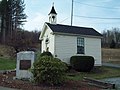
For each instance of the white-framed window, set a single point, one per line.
(80, 45)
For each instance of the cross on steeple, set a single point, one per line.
(53, 4)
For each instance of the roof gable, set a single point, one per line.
(45, 27)
(73, 30)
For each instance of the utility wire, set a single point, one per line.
(64, 20)
(100, 22)
(96, 5)
(110, 18)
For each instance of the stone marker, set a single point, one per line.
(25, 61)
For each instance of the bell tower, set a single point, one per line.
(53, 16)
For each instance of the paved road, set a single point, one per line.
(5, 88)
(111, 65)
(115, 81)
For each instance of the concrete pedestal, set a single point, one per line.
(25, 61)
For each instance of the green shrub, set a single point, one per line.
(47, 53)
(49, 70)
(82, 63)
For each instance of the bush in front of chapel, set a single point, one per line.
(49, 70)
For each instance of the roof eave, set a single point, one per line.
(70, 34)
(43, 31)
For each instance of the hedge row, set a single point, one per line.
(82, 63)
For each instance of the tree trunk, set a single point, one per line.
(3, 31)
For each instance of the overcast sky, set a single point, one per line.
(98, 14)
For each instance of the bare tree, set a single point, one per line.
(111, 37)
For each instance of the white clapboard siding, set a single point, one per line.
(93, 48)
(65, 47)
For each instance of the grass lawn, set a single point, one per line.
(111, 55)
(7, 64)
(97, 73)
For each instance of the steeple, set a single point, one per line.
(53, 16)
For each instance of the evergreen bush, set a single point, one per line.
(47, 53)
(49, 70)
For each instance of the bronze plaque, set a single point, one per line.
(25, 64)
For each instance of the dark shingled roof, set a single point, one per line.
(52, 11)
(73, 29)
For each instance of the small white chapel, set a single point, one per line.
(64, 41)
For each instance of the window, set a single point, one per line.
(80, 45)
(47, 40)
